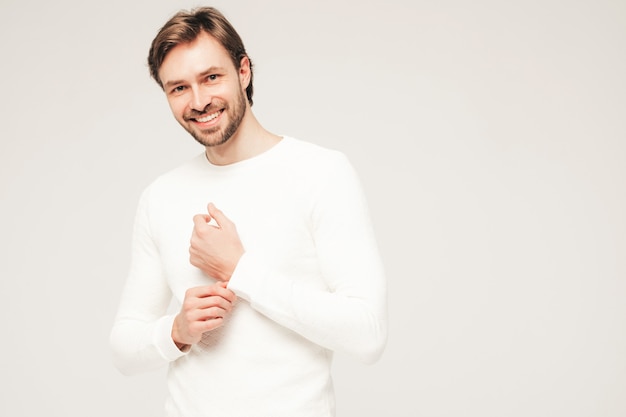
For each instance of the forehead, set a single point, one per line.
(187, 60)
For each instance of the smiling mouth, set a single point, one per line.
(208, 117)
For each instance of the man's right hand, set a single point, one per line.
(204, 309)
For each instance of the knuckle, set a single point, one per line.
(196, 328)
(188, 319)
(200, 232)
(214, 323)
(189, 295)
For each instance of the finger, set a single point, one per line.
(218, 215)
(229, 294)
(213, 313)
(201, 326)
(195, 292)
(200, 309)
(214, 290)
(212, 324)
(215, 301)
(220, 290)
(199, 316)
(200, 220)
(205, 291)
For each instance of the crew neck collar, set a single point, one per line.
(260, 158)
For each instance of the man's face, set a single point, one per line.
(204, 89)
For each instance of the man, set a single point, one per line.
(245, 302)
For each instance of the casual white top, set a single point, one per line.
(310, 282)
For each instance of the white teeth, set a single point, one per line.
(208, 118)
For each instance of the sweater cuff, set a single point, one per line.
(249, 277)
(163, 339)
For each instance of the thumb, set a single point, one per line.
(219, 217)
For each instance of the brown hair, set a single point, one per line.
(185, 26)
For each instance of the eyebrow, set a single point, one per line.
(204, 73)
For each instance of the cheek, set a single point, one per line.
(177, 106)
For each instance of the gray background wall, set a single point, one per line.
(490, 138)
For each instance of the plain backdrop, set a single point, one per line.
(490, 137)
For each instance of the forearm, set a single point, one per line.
(350, 319)
(140, 346)
(140, 339)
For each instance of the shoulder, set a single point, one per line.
(308, 155)
(166, 184)
(314, 170)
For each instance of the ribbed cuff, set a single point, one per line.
(163, 339)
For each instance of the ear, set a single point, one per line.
(244, 72)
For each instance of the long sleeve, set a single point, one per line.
(141, 336)
(349, 314)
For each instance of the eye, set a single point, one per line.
(178, 89)
(212, 77)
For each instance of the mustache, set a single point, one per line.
(210, 108)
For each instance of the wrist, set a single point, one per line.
(182, 346)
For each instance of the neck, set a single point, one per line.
(250, 140)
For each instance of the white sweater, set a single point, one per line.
(310, 282)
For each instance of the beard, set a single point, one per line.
(216, 136)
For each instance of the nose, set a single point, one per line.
(200, 99)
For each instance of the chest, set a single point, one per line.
(272, 221)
